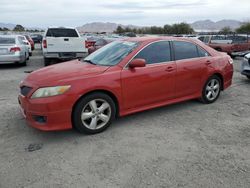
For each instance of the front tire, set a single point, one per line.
(94, 113)
(211, 90)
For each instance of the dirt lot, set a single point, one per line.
(183, 145)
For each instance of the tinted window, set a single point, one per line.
(61, 32)
(202, 52)
(156, 53)
(4, 40)
(185, 50)
(202, 38)
(206, 39)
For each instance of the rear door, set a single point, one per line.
(64, 40)
(153, 83)
(192, 67)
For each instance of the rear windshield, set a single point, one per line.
(61, 32)
(4, 40)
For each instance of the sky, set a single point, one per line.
(44, 13)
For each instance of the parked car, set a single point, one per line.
(245, 66)
(62, 43)
(121, 78)
(13, 50)
(98, 44)
(37, 38)
(26, 42)
(228, 44)
(30, 41)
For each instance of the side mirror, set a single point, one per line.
(137, 63)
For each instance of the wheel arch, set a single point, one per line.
(221, 78)
(109, 93)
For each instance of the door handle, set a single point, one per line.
(208, 62)
(169, 69)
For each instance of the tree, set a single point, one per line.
(181, 28)
(119, 30)
(226, 30)
(167, 29)
(19, 28)
(244, 28)
(5, 29)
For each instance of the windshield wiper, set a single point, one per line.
(89, 61)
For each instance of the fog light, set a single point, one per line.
(40, 119)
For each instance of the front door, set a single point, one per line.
(153, 83)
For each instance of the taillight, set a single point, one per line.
(15, 49)
(230, 60)
(44, 44)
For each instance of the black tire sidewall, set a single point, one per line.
(76, 116)
(204, 97)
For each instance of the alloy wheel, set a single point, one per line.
(96, 114)
(212, 89)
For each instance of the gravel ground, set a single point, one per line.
(183, 145)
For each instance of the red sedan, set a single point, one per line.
(30, 41)
(121, 78)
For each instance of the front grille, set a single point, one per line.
(25, 90)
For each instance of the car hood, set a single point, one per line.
(64, 72)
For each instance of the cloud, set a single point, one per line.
(152, 6)
(43, 13)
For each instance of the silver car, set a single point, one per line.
(245, 66)
(13, 49)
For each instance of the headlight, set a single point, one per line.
(50, 91)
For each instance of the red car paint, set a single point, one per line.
(31, 42)
(135, 90)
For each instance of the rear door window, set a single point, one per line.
(202, 52)
(185, 50)
(61, 32)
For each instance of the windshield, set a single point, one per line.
(112, 53)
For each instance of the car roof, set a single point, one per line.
(152, 39)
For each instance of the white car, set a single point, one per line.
(62, 43)
(27, 43)
(245, 66)
(13, 49)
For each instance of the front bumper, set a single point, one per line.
(56, 113)
(245, 67)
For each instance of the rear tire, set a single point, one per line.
(46, 61)
(93, 113)
(211, 90)
(24, 63)
(30, 53)
(248, 77)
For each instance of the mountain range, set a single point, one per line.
(201, 25)
(208, 25)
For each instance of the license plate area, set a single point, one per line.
(3, 50)
(67, 54)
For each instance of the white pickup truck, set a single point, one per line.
(62, 43)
